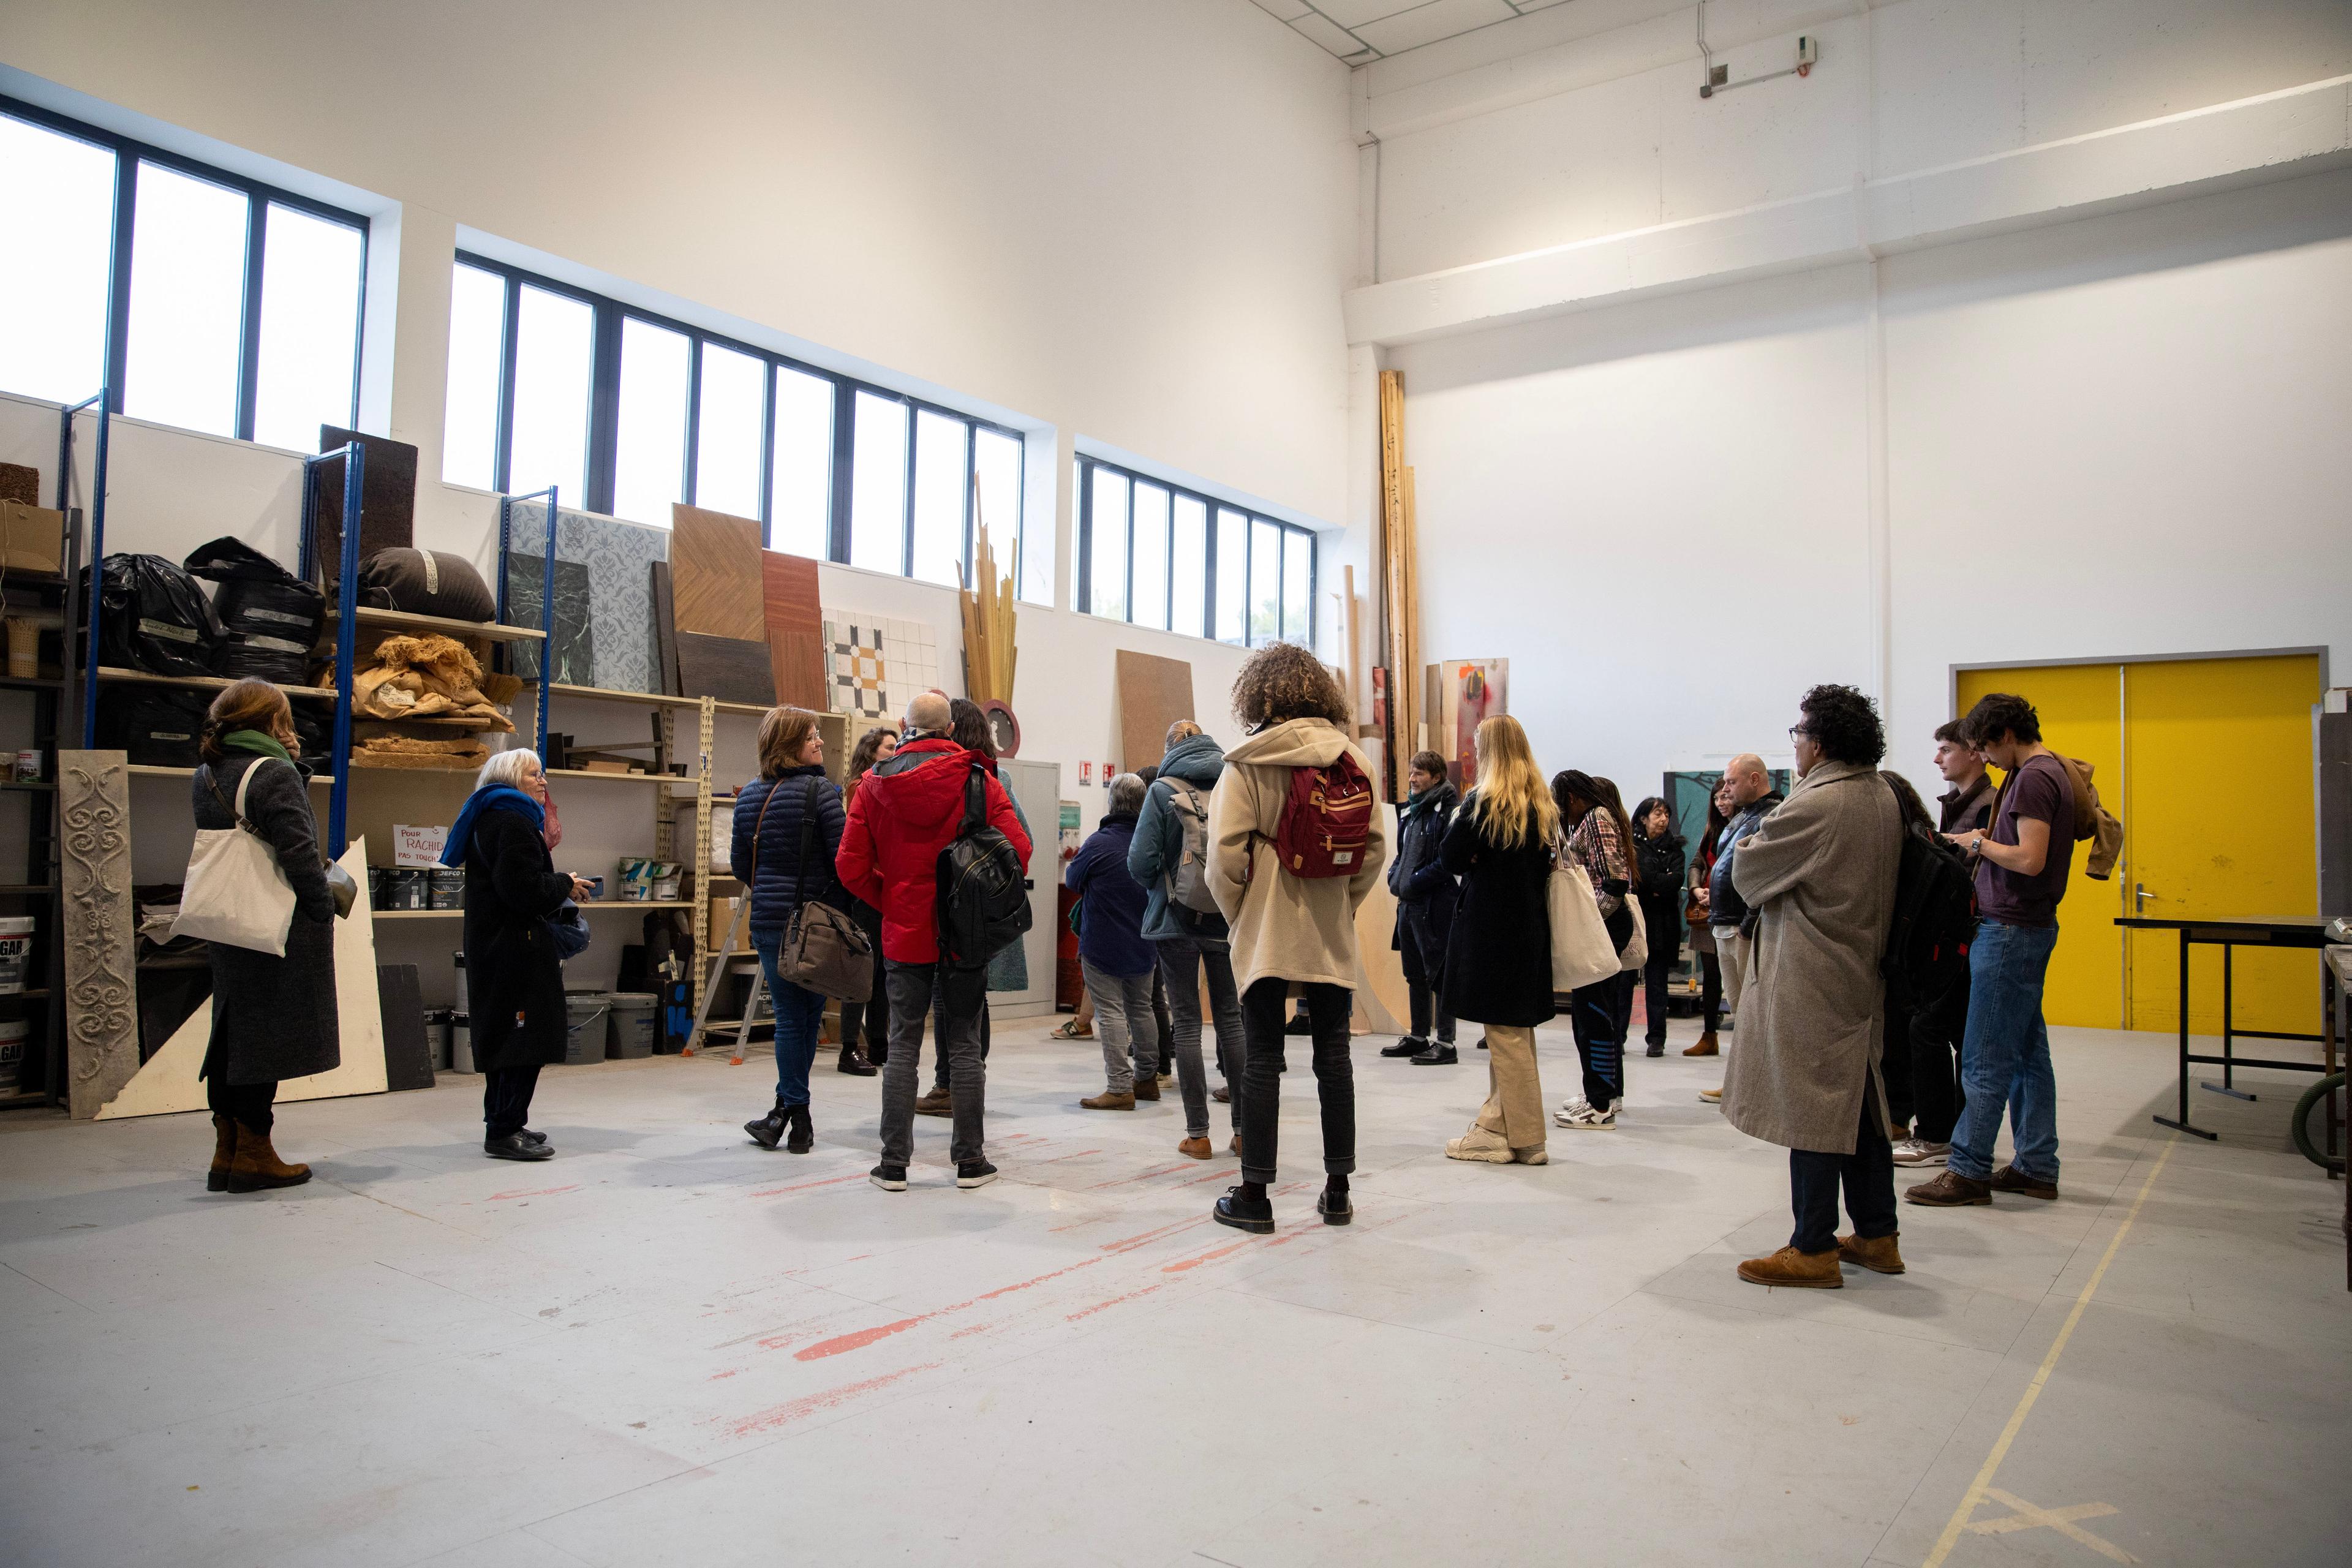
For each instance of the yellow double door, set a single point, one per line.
(2209, 763)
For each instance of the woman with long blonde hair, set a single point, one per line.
(1498, 955)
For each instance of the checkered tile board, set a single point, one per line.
(873, 666)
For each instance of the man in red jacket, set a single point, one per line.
(907, 811)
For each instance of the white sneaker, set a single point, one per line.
(1585, 1118)
(1573, 1106)
(1919, 1152)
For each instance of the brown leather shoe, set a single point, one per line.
(1803, 1270)
(257, 1166)
(939, 1102)
(1222, 1094)
(1879, 1254)
(1235, 1146)
(1950, 1190)
(2010, 1178)
(1106, 1101)
(1146, 1087)
(1195, 1148)
(1706, 1046)
(223, 1152)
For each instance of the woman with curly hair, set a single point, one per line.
(1289, 932)
(1498, 951)
(1598, 838)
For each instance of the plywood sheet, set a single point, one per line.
(715, 581)
(795, 630)
(1153, 693)
(665, 679)
(387, 497)
(168, 1082)
(732, 669)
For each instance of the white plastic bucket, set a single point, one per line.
(15, 951)
(14, 1033)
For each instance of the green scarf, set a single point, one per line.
(254, 741)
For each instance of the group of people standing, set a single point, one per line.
(1244, 869)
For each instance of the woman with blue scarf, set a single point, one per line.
(513, 970)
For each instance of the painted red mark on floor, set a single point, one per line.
(1079, 1223)
(1115, 1301)
(1140, 1177)
(808, 1404)
(1128, 1243)
(1059, 1158)
(1182, 1264)
(842, 1343)
(804, 1186)
(730, 1372)
(535, 1193)
(1212, 1176)
(975, 1329)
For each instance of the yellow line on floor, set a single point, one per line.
(1976, 1494)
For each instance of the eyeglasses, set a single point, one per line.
(1798, 731)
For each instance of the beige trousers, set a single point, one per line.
(1515, 1107)
(1733, 953)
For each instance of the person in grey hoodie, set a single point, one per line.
(1188, 941)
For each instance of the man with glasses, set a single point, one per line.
(1729, 916)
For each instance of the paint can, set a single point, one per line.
(461, 1044)
(28, 767)
(16, 953)
(636, 880)
(446, 888)
(583, 1025)
(404, 888)
(14, 1033)
(669, 875)
(633, 1025)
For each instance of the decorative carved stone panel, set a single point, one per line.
(100, 1010)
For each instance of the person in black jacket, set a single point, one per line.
(273, 1018)
(1425, 893)
(514, 977)
(788, 823)
(1658, 849)
(1498, 959)
(868, 1020)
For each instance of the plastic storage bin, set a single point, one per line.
(633, 1019)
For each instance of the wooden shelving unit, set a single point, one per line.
(109, 675)
(441, 626)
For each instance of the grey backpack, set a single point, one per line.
(1188, 880)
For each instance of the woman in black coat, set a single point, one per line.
(1658, 850)
(870, 1018)
(514, 978)
(1498, 955)
(273, 1018)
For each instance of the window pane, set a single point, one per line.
(309, 328)
(187, 301)
(1265, 582)
(939, 498)
(1233, 573)
(877, 486)
(802, 479)
(554, 349)
(1190, 566)
(1151, 556)
(998, 506)
(1297, 593)
(1107, 534)
(61, 189)
(649, 455)
(727, 431)
(469, 425)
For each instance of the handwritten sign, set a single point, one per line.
(417, 846)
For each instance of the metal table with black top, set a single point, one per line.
(2338, 960)
(2228, 932)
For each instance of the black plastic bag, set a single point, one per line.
(273, 619)
(154, 616)
(158, 726)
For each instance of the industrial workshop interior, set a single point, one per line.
(1634, 714)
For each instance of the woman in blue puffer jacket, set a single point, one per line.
(783, 867)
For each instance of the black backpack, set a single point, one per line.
(1935, 920)
(984, 895)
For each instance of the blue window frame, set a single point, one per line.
(1158, 554)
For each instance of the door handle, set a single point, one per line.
(2140, 896)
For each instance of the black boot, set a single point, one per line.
(803, 1138)
(770, 1129)
(853, 1061)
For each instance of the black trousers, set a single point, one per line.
(1424, 952)
(1867, 1175)
(869, 1020)
(506, 1101)
(1600, 1046)
(1335, 1075)
(1655, 975)
(1710, 990)
(246, 1104)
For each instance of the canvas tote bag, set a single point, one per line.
(1637, 946)
(237, 892)
(1581, 953)
(823, 950)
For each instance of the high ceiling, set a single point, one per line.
(1362, 31)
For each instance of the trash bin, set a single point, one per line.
(583, 1025)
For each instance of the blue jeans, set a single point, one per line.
(799, 1016)
(2005, 1055)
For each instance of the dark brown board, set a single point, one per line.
(732, 669)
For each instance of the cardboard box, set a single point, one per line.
(32, 538)
(722, 914)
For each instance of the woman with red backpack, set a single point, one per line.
(1295, 845)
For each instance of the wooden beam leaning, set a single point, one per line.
(1393, 583)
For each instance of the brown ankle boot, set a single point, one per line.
(1788, 1267)
(257, 1166)
(1146, 1087)
(1706, 1046)
(223, 1151)
(1878, 1254)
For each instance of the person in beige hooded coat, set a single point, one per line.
(1820, 871)
(1290, 933)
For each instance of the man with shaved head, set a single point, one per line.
(906, 810)
(1729, 916)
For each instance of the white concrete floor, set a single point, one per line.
(668, 1347)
